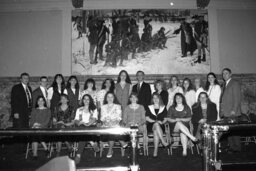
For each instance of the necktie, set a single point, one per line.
(46, 93)
(29, 99)
(138, 88)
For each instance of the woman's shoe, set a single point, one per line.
(168, 146)
(110, 154)
(125, 146)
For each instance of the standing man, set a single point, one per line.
(40, 91)
(21, 102)
(142, 89)
(230, 107)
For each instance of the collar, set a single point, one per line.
(228, 81)
(24, 86)
(152, 110)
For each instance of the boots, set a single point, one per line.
(204, 58)
(198, 60)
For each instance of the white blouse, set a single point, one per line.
(83, 116)
(171, 94)
(214, 94)
(190, 98)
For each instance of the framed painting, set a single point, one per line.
(156, 41)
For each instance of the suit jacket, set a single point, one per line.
(19, 104)
(36, 93)
(231, 99)
(144, 95)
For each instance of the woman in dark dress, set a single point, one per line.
(40, 118)
(62, 118)
(179, 116)
(155, 115)
(161, 90)
(54, 92)
(203, 111)
(73, 92)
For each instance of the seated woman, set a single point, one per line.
(134, 115)
(40, 118)
(111, 116)
(203, 111)
(179, 116)
(155, 115)
(86, 116)
(62, 118)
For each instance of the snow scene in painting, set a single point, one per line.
(155, 61)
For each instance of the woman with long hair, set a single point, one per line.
(198, 87)
(108, 85)
(123, 88)
(155, 116)
(179, 116)
(62, 118)
(111, 116)
(86, 116)
(90, 88)
(40, 118)
(189, 92)
(57, 88)
(73, 91)
(173, 89)
(213, 89)
(203, 111)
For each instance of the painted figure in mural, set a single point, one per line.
(187, 41)
(200, 34)
(113, 51)
(159, 39)
(135, 37)
(103, 32)
(125, 48)
(92, 37)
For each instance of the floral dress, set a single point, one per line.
(111, 115)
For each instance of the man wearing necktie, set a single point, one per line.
(40, 91)
(21, 102)
(230, 107)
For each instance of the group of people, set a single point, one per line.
(117, 104)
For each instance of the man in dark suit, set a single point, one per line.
(142, 89)
(230, 107)
(21, 102)
(40, 91)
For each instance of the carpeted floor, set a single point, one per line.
(13, 159)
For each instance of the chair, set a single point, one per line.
(150, 136)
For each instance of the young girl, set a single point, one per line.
(40, 118)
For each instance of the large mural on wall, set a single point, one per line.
(165, 41)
